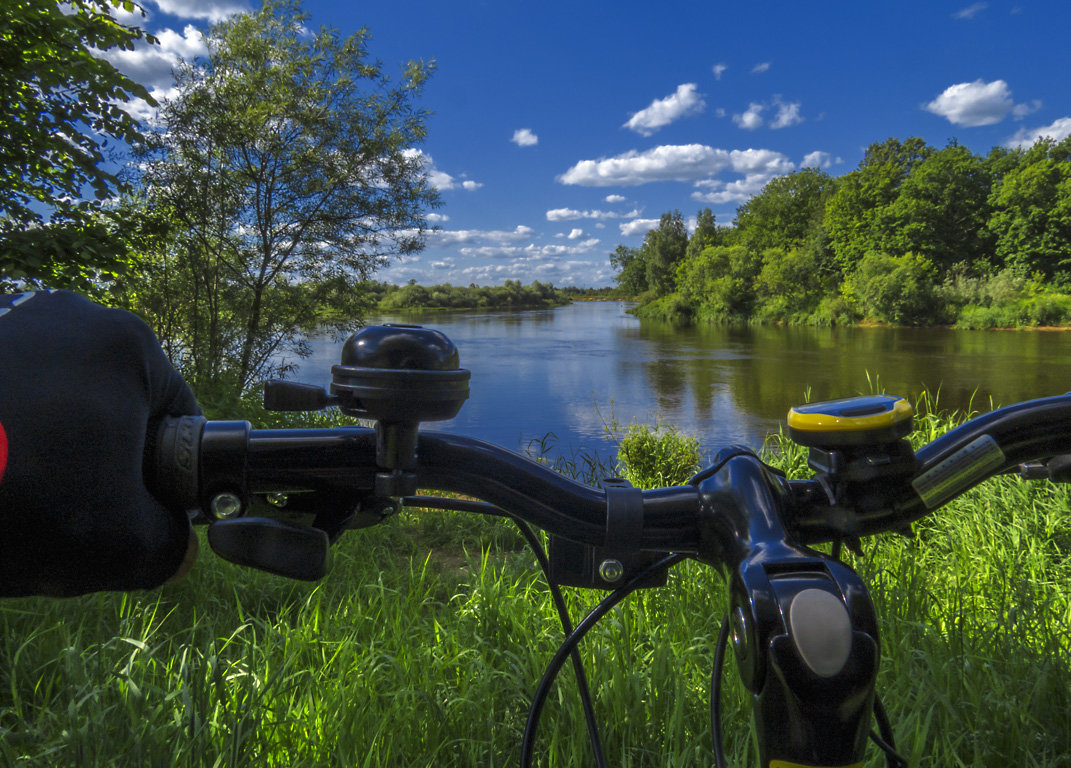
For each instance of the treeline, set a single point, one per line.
(511, 295)
(913, 236)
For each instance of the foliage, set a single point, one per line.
(632, 270)
(1032, 210)
(663, 249)
(656, 457)
(786, 213)
(510, 295)
(286, 160)
(61, 108)
(913, 235)
(895, 289)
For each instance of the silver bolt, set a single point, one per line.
(277, 500)
(225, 506)
(611, 570)
(739, 631)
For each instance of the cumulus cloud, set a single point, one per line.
(532, 251)
(638, 226)
(575, 234)
(451, 237)
(615, 198)
(760, 67)
(788, 114)
(970, 11)
(818, 159)
(1020, 111)
(665, 163)
(1057, 131)
(661, 112)
(439, 179)
(436, 218)
(689, 162)
(973, 104)
(153, 65)
(719, 70)
(571, 214)
(209, 10)
(523, 137)
(750, 119)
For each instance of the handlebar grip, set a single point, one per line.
(177, 459)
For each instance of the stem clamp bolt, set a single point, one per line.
(225, 506)
(611, 570)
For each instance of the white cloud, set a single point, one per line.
(575, 234)
(735, 191)
(1057, 131)
(761, 67)
(209, 10)
(970, 11)
(818, 159)
(751, 118)
(661, 112)
(638, 226)
(719, 70)
(973, 104)
(151, 65)
(450, 237)
(788, 114)
(615, 198)
(1020, 111)
(441, 180)
(665, 163)
(690, 162)
(571, 214)
(531, 251)
(436, 218)
(523, 137)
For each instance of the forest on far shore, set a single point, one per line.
(913, 236)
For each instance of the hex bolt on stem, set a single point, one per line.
(226, 505)
(611, 570)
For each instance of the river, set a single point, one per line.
(567, 371)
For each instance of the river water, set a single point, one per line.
(567, 371)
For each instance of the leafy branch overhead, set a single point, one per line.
(60, 114)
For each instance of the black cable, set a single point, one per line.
(567, 628)
(715, 693)
(886, 741)
(589, 621)
(483, 508)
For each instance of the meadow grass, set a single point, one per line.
(424, 643)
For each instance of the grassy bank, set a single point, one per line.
(429, 634)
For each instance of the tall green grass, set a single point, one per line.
(425, 641)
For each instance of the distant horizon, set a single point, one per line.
(559, 132)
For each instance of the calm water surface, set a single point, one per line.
(564, 371)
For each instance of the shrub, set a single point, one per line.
(654, 457)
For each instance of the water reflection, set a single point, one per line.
(563, 371)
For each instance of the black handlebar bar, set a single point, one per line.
(804, 627)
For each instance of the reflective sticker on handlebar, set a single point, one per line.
(958, 472)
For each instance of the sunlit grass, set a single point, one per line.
(425, 642)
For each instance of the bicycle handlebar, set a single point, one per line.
(804, 627)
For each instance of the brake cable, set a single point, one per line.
(570, 643)
(482, 507)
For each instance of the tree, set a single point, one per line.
(941, 210)
(1031, 217)
(858, 219)
(286, 159)
(61, 108)
(632, 271)
(786, 213)
(663, 249)
(707, 233)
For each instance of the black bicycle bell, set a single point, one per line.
(400, 374)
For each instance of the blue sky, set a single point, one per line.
(561, 130)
